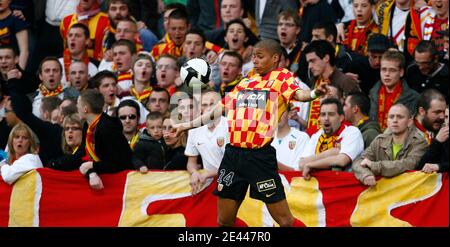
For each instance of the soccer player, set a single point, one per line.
(253, 109)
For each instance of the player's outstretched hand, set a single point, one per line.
(322, 89)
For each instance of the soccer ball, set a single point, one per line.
(195, 73)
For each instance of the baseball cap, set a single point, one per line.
(378, 43)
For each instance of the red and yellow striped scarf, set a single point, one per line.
(385, 101)
(428, 136)
(142, 96)
(326, 142)
(123, 76)
(49, 93)
(357, 37)
(67, 57)
(168, 47)
(314, 107)
(90, 141)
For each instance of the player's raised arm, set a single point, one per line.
(308, 95)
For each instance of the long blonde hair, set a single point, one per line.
(34, 147)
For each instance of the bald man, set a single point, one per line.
(395, 151)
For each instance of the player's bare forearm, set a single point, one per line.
(303, 95)
(203, 119)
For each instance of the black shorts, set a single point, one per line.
(241, 167)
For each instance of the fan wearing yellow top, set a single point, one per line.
(253, 110)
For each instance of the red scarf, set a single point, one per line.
(49, 93)
(385, 101)
(67, 57)
(326, 142)
(428, 136)
(90, 141)
(122, 76)
(357, 37)
(314, 108)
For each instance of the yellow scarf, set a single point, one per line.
(134, 141)
(326, 142)
(143, 95)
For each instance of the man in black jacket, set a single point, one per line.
(436, 158)
(107, 150)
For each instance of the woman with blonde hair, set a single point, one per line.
(22, 154)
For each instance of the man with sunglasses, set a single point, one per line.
(128, 113)
(426, 71)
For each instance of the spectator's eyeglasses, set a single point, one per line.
(131, 117)
(7, 110)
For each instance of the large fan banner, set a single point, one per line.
(45, 197)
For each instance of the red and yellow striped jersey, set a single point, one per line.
(97, 24)
(254, 107)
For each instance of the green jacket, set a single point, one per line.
(380, 152)
(369, 131)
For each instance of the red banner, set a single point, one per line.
(52, 198)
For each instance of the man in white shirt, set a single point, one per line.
(333, 146)
(50, 75)
(289, 143)
(208, 142)
(77, 43)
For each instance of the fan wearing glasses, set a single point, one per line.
(426, 71)
(129, 114)
(72, 137)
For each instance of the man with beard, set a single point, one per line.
(335, 145)
(430, 113)
(395, 151)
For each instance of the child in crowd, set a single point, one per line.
(150, 149)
